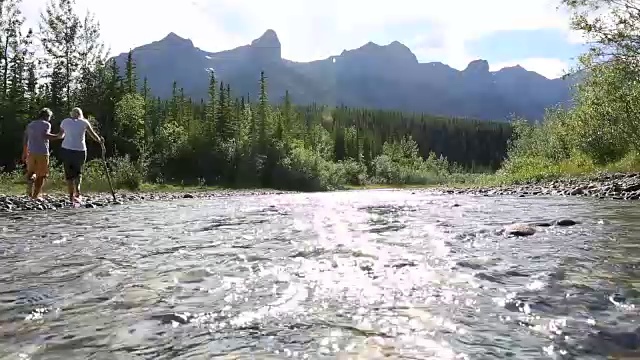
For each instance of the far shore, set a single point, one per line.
(617, 186)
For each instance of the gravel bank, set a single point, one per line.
(605, 186)
(613, 186)
(12, 203)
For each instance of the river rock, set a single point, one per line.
(616, 186)
(541, 223)
(519, 230)
(53, 202)
(565, 222)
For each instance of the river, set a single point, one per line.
(359, 274)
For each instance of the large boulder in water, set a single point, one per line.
(519, 230)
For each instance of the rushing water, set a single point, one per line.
(362, 274)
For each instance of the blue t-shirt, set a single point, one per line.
(37, 141)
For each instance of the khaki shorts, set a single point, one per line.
(38, 164)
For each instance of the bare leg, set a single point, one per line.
(76, 184)
(38, 186)
(30, 179)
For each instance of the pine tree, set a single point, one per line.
(174, 106)
(263, 114)
(14, 58)
(31, 87)
(130, 77)
(287, 116)
(211, 102)
(339, 143)
(231, 129)
(11, 21)
(20, 62)
(221, 115)
(366, 152)
(91, 66)
(219, 138)
(146, 91)
(59, 31)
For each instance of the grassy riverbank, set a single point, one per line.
(56, 188)
(125, 178)
(400, 166)
(528, 171)
(17, 186)
(526, 164)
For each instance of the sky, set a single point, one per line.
(532, 33)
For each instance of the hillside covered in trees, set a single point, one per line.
(221, 139)
(601, 132)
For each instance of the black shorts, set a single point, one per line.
(73, 161)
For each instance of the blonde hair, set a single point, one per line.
(77, 112)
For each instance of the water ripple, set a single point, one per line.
(366, 274)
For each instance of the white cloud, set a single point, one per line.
(313, 29)
(126, 24)
(550, 68)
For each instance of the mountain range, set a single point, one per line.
(372, 76)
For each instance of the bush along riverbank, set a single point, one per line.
(400, 164)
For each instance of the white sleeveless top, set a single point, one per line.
(74, 134)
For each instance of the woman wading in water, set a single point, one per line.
(74, 150)
(35, 152)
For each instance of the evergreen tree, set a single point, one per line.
(263, 113)
(130, 77)
(211, 104)
(60, 28)
(221, 139)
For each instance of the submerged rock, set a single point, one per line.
(541, 223)
(565, 222)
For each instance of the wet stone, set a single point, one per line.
(519, 230)
(565, 222)
(53, 202)
(624, 187)
(541, 223)
(470, 265)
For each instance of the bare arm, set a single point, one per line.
(61, 132)
(51, 136)
(94, 134)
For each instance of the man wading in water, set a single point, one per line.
(74, 150)
(35, 151)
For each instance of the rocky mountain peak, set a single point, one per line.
(172, 39)
(477, 66)
(268, 46)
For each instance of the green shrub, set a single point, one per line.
(354, 173)
(126, 174)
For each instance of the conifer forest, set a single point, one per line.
(224, 139)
